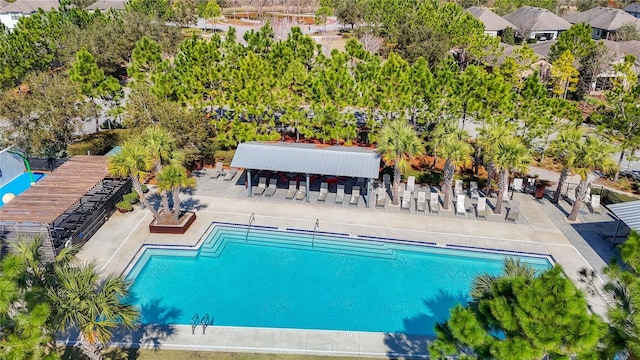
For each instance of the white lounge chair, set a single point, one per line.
(482, 207)
(458, 187)
(262, 185)
(292, 190)
(271, 189)
(217, 171)
(411, 183)
(355, 196)
(302, 193)
(460, 208)
(230, 174)
(421, 204)
(406, 201)
(517, 184)
(340, 194)
(381, 201)
(434, 203)
(473, 190)
(595, 204)
(324, 191)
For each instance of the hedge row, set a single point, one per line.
(99, 143)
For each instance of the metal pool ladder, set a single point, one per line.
(252, 218)
(195, 320)
(315, 227)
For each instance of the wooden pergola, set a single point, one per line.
(46, 200)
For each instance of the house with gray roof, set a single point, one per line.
(537, 23)
(105, 5)
(616, 52)
(493, 23)
(3, 4)
(604, 21)
(633, 9)
(10, 14)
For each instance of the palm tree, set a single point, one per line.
(486, 142)
(509, 154)
(398, 142)
(93, 305)
(590, 155)
(512, 268)
(171, 179)
(161, 145)
(134, 161)
(456, 150)
(563, 147)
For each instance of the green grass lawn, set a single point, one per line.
(135, 354)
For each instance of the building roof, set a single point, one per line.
(104, 5)
(47, 199)
(603, 18)
(618, 49)
(308, 158)
(536, 19)
(3, 4)
(491, 21)
(30, 6)
(632, 8)
(628, 213)
(542, 48)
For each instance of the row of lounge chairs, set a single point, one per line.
(227, 175)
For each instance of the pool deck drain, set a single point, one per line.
(116, 244)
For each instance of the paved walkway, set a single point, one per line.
(542, 230)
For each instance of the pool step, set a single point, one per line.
(214, 246)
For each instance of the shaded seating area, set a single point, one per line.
(66, 207)
(627, 213)
(306, 167)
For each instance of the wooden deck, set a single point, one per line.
(46, 200)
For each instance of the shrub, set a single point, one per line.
(98, 143)
(145, 189)
(124, 205)
(131, 197)
(428, 177)
(225, 156)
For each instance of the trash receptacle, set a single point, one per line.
(539, 193)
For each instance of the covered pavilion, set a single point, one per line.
(627, 212)
(308, 159)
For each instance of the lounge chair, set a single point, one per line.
(406, 201)
(230, 174)
(324, 191)
(355, 196)
(460, 208)
(482, 207)
(411, 183)
(473, 190)
(517, 184)
(434, 203)
(292, 191)
(458, 187)
(595, 205)
(514, 212)
(381, 201)
(217, 171)
(340, 194)
(262, 185)
(271, 189)
(302, 193)
(421, 204)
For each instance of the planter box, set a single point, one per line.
(187, 219)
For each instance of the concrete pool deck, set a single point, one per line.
(115, 246)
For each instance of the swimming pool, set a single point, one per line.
(18, 185)
(284, 279)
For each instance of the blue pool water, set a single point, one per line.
(18, 185)
(278, 279)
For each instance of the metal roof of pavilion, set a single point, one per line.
(308, 158)
(628, 213)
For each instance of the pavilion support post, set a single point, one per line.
(307, 189)
(615, 234)
(368, 186)
(250, 186)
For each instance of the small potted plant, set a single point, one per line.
(124, 206)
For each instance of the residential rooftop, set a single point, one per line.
(609, 19)
(491, 20)
(536, 19)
